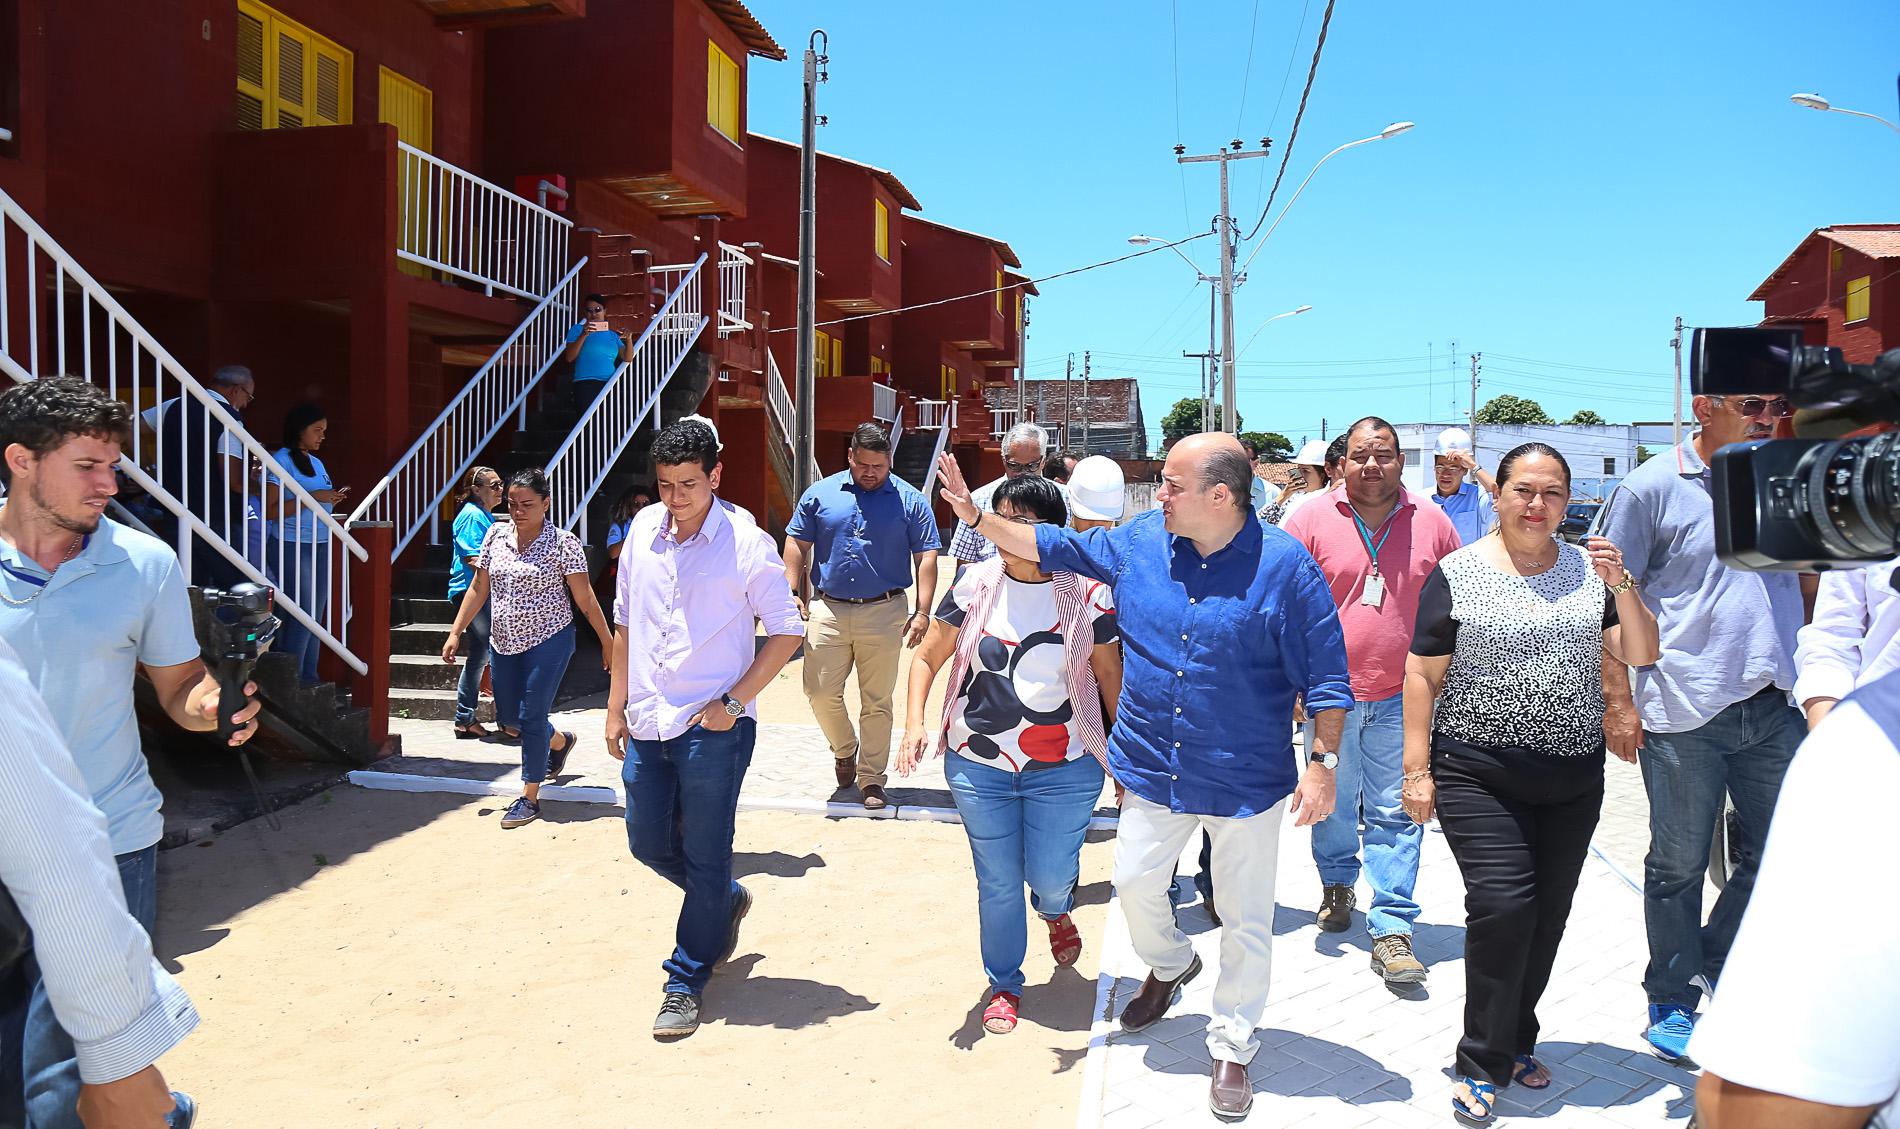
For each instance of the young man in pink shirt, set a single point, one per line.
(1376, 545)
(693, 577)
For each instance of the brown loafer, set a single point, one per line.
(847, 770)
(1231, 1095)
(874, 798)
(1155, 998)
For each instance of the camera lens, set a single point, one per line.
(1853, 495)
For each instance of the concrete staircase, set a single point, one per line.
(915, 449)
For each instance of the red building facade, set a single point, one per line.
(1836, 286)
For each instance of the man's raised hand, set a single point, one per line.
(955, 491)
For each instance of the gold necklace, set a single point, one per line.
(41, 590)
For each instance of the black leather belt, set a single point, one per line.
(830, 599)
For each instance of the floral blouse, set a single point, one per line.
(527, 588)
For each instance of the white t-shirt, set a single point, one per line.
(1013, 711)
(1792, 1013)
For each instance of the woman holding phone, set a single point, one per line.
(595, 351)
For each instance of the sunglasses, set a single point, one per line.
(1013, 466)
(1780, 407)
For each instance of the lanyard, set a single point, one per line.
(1365, 535)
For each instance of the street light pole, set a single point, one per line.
(804, 411)
(1226, 226)
(1816, 102)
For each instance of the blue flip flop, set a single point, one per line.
(1528, 1064)
(1485, 1094)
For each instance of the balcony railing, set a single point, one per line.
(884, 403)
(937, 413)
(778, 405)
(733, 264)
(1001, 420)
(460, 224)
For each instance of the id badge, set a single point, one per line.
(1374, 592)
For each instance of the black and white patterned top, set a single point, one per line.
(1526, 653)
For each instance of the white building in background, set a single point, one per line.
(1599, 455)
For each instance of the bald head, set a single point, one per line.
(1205, 489)
(1219, 459)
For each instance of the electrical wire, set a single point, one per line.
(1287, 154)
(1174, 21)
(1247, 72)
(1273, 119)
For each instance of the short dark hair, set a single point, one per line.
(41, 415)
(1227, 467)
(1523, 450)
(1336, 450)
(533, 477)
(1033, 496)
(870, 437)
(601, 298)
(1376, 424)
(299, 417)
(1056, 467)
(688, 441)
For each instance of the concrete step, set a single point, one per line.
(427, 581)
(418, 639)
(434, 705)
(423, 609)
(423, 672)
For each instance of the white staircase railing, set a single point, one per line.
(55, 319)
(1001, 420)
(411, 494)
(883, 403)
(778, 405)
(585, 458)
(454, 221)
(733, 264)
(936, 413)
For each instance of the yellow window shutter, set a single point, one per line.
(250, 70)
(837, 356)
(881, 229)
(999, 291)
(291, 74)
(1859, 298)
(287, 75)
(722, 91)
(329, 99)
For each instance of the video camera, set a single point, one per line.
(242, 627)
(1802, 504)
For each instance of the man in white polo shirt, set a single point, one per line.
(86, 603)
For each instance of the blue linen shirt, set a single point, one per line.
(862, 540)
(1214, 652)
(1468, 509)
(600, 353)
(119, 602)
(470, 530)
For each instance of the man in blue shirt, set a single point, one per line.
(1467, 504)
(595, 351)
(861, 530)
(1224, 621)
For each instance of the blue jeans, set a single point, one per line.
(1024, 828)
(682, 802)
(524, 690)
(306, 581)
(1366, 788)
(48, 1062)
(1745, 751)
(468, 689)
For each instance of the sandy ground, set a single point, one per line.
(435, 970)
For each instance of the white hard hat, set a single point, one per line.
(1095, 489)
(1453, 439)
(1313, 454)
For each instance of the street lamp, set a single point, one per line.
(1146, 240)
(1816, 102)
(1392, 130)
(1265, 324)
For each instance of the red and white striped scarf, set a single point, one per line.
(1078, 639)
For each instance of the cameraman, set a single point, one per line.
(87, 604)
(1796, 1039)
(56, 864)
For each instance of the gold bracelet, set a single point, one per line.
(1628, 583)
(1418, 774)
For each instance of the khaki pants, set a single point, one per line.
(871, 637)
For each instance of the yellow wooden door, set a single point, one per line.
(409, 106)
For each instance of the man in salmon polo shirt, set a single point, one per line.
(1375, 545)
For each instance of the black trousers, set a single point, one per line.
(1519, 824)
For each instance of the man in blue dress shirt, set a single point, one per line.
(861, 531)
(1224, 622)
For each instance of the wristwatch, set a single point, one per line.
(1324, 760)
(734, 707)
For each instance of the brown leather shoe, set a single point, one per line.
(847, 770)
(874, 798)
(1335, 909)
(1231, 1095)
(1155, 998)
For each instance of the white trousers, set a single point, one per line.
(1245, 862)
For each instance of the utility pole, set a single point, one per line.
(1068, 401)
(1085, 401)
(1676, 344)
(1225, 222)
(1451, 362)
(1022, 359)
(1322, 429)
(804, 412)
(1474, 403)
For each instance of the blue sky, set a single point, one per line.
(1579, 176)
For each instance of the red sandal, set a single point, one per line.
(1000, 1017)
(1065, 941)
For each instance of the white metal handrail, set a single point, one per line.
(1001, 420)
(732, 270)
(454, 221)
(883, 403)
(936, 453)
(936, 413)
(413, 490)
(68, 324)
(778, 405)
(585, 458)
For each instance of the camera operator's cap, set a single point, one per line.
(1453, 439)
(1096, 490)
(1313, 454)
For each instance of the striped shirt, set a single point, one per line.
(121, 1009)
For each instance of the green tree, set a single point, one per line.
(1184, 419)
(1511, 409)
(1587, 417)
(1273, 446)
(1642, 455)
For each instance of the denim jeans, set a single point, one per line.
(48, 1063)
(682, 802)
(524, 690)
(1024, 828)
(305, 580)
(1745, 751)
(1366, 788)
(468, 688)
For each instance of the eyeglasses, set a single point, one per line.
(1780, 407)
(1014, 467)
(1019, 520)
